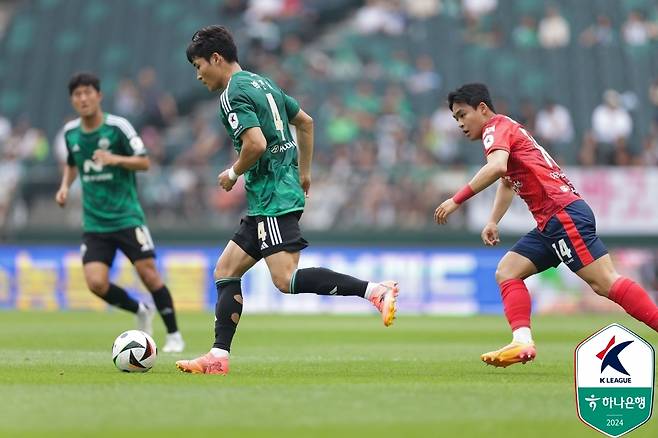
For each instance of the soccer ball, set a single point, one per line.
(134, 352)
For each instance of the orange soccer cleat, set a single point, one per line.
(510, 354)
(384, 298)
(206, 364)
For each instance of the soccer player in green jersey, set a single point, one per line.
(277, 174)
(106, 151)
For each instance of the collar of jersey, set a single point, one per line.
(95, 130)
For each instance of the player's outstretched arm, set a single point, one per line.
(253, 146)
(69, 175)
(504, 196)
(495, 168)
(304, 124)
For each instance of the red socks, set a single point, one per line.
(625, 292)
(635, 301)
(516, 302)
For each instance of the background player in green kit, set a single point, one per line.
(106, 151)
(277, 175)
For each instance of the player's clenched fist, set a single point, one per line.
(225, 181)
(490, 235)
(444, 210)
(61, 196)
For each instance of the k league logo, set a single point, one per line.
(614, 370)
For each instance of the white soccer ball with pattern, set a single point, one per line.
(134, 351)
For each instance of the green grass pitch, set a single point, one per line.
(296, 376)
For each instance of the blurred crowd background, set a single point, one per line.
(582, 77)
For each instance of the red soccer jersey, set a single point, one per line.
(534, 175)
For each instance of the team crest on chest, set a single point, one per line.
(104, 143)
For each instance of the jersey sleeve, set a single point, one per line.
(240, 112)
(497, 137)
(292, 106)
(70, 161)
(62, 144)
(131, 141)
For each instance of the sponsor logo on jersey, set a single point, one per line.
(283, 147)
(90, 165)
(233, 120)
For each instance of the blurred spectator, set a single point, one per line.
(399, 67)
(380, 16)
(481, 33)
(205, 145)
(653, 98)
(611, 128)
(588, 150)
(446, 147)
(524, 34)
(264, 9)
(364, 99)
(26, 142)
(159, 107)
(475, 9)
(5, 130)
(127, 101)
(10, 174)
(649, 154)
(6, 9)
(553, 29)
(422, 9)
(611, 123)
(233, 8)
(342, 128)
(262, 30)
(424, 79)
(635, 30)
(527, 114)
(599, 34)
(553, 125)
(153, 141)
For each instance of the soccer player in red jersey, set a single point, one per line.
(566, 227)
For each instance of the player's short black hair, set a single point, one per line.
(472, 95)
(83, 79)
(211, 39)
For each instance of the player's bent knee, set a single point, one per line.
(98, 287)
(503, 274)
(603, 285)
(152, 280)
(282, 282)
(223, 271)
(598, 288)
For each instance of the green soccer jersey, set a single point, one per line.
(272, 184)
(109, 193)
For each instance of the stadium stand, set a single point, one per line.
(373, 74)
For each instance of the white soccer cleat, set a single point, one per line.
(145, 315)
(174, 343)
